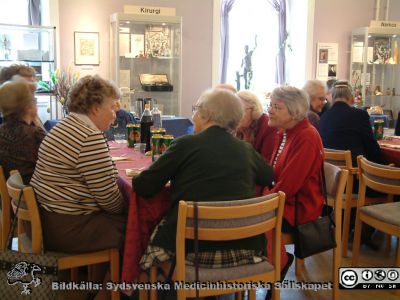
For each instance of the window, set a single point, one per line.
(254, 26)
(16, 12)
(248, 19)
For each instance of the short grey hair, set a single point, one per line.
(251, 100)
(222, 107)
(15, 97)
(342, 90)
(296, 100)
(313, 86)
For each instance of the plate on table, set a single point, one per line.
(121, 141)
(133, 172)
(391, 137)
(390, 146)
(119, 158)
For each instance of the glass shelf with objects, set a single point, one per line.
(33, 46)
(145, 61)
(375, 69)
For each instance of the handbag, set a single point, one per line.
(26, 275)
(315, 236)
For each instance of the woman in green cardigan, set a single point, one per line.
(211, 165)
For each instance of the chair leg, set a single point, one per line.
(153, 278)
(114, 271)
(75, 274)
(239, 295)
(275, 293)
(298, 265)
(347, 215)
(252, 294)
(335, 272)
(346, 232)
(356, 242)
(143, 292)
(388, 242)
(397, 292)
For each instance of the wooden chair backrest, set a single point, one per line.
(230, 220)
(382, 178)
(340, 158)
(28, 209)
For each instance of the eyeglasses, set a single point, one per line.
(323, 98)
(195, 108)
(274, 107)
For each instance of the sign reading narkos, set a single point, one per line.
(384, 24)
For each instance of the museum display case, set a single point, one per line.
(374, 67)
(145, 60)
(33, 46)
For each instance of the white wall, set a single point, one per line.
(335, 19)
(94, 16)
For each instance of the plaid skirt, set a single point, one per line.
(155, 255)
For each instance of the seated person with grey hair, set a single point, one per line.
(75, 180)
(344, 127)
(17, 72)
(297, 159)
(19, 137)
(254, 128)
(316, 90)
(329, 86)
(211, 165)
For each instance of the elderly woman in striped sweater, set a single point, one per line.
(75, 180)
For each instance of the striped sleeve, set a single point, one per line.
(96, 167)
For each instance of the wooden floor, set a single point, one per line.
(318, 269)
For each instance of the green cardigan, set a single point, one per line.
(210, 166)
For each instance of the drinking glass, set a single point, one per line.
(119, 134)
(141, 148)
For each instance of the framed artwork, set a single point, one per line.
(158, 41)
(86, 45)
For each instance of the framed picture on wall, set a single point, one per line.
(86, 45)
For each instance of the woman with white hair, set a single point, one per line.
(254, 128)
(19, 137)
(297, 158)
(316, 90)
(211, 165)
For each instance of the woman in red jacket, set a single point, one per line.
(297, 158)
(253, 127)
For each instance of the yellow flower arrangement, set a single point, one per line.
(62, 82)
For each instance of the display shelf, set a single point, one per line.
(147, 44)
(374, 67)
(33, 46)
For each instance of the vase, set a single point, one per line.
(65, 111)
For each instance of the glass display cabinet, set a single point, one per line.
(33, 46)
(374, 68)
(145, 60)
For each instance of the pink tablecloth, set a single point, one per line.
(143, 215)
(391, 155)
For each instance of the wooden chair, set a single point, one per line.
(336, 180)
(342, 159)
(28, 211)
(5, 209)
(384, 217)
(228, 220)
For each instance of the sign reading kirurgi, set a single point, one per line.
(149, 10)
